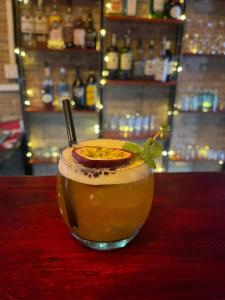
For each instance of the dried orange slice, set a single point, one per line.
(101, 157)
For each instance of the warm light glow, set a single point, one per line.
(221, 162)
(171, 153)
(175, 112)
(27, 102)
(169, 113)
(29, 144)
(23, 53)
(182, 17)
(17, 51)
(105, 73)
(103, 32)
(108, 5)
(29, 154)
(99, 106)
(164, 153)
(159, 170)
(72, 103)
(179, 69)
(30, 92)
(96, 128)
(194, 50)
(102, 81)
(55, 154)
(106, 58)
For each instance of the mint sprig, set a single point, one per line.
(151, 149)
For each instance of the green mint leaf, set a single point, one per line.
(148, 142)
(149, 160)
(134, 148)
(155, 149)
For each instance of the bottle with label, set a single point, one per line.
(143, 8)
(150, 62)
(91, 92)
(157, 8)
(138, 65)
(126, 59)
(78, 91)
(68, 26)
(63, 86)
(91, 35)
(130, 8)
(41, 25)
(112, 61)
(174, 9)
(47, 87)
(168, 59)
(55, 40)
(116, 7)
(27, 25)
(79, 33)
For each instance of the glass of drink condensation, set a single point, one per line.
(104, 208)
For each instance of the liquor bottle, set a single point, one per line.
(91, 91)
(116, 7)
(63, 85)
(174, 9)
(143, 8)
(68, 26)
(138, 65)
(163, 63)
(55, 40)
(157, 8)
(130, 7)
(27, 25)
(47, 87)
(41, 25)
(150, 62)
(79, 33)
(112, 61)
(78, 91)
(91, 34)
(168, 59)
(126, 59)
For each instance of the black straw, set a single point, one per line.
(71, 134)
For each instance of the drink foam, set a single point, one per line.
(71, 169)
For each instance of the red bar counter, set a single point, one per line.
(179, 254)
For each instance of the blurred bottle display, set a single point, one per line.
(55, 40)
(138, 64)
(163, 63)
(157, 8)
(91, 91)
(91, 34)
(79, 32)
(27, 25)
(63, 86)
(130, 7)
(47, 90)
(78, 91)
(126, 59)
(68, 26)
(143, 8)
(112, 58)
(174, 9)
(115, 7)
(41, 25)
(150, 62)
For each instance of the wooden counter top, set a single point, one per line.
(179, 254)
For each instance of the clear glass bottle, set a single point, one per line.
(55, 40)
(68, 26)
(138, 65)
(41, 25)
(63, 85)
(91, 35)
(130, 8)
(126, 59)
(79, 33)
(27, 25)
(78, 91)
(47, 90)
(112, 58)
(150, 62)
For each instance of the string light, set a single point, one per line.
(29, 154)
(106, 58)
(29, 92)
(99, 106)
(175, 112)
(221, 162)
(171, 153)
(29, 144)
(27, 102)
(103, 32)
(23, 53)
(105, 73)
(102, 81)
(17, 51)
(179, 69)
(169, 113)
(183, 17)
(108, 5)
(164, 153)
(96, 128)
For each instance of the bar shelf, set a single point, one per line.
(141, 82)
(41, 109)
(135, 19)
